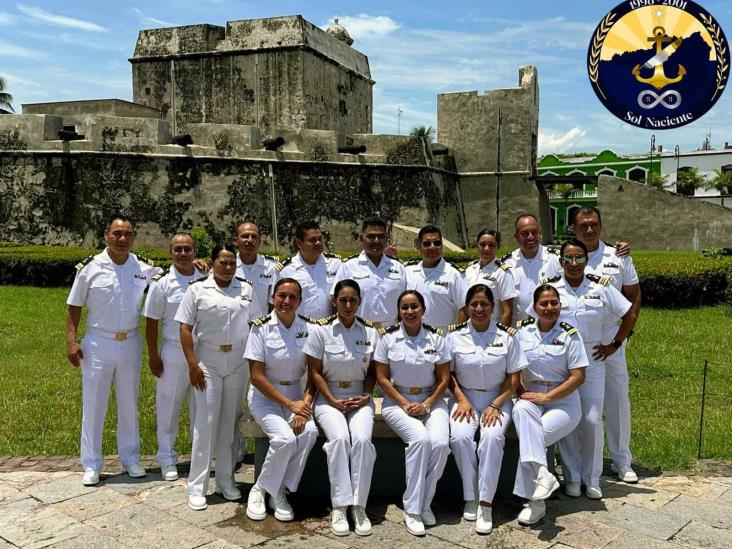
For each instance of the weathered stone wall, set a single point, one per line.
(660, 220)
(85, 107)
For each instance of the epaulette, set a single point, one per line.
(145, 260)
(508, 329)
(412, 262)
(282, 264)
(434, 330)
(276, 260)
(332, 256)
(550, 279)
(240, 279)
(502, 265)
(161, 275)
(365, 322)
(83, 263)
(604, 280)
(309, 319)
(458, 267)
(608, 244)
(395, 258)
(474, 262)
(388, 329)
(456, 327)
(568, 328)
(528, 322)
(552, 250)
(200, 280)
(354, 256)
(326, 320)
(259, 321)
(505, 257)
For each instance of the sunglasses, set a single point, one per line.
(578, 259)
(430, 243)
(183, 249)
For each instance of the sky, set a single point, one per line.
(60, 50)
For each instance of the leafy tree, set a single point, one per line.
(658, 181)
(423, 132)
(6, 99)
(689, 180)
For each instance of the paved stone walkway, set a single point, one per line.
(43, 503)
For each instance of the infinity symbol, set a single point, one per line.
(669, 104)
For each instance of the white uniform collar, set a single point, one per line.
(176, 273)
(402, 333)
(440, 267)
(492, 328)
(299, 263)
(258, 262)
(363, 258)
(107, 261)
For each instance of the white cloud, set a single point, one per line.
(550, 142)
(59, 20)
(6, 18)
(10, 50)
(147, 20)
(364, 26)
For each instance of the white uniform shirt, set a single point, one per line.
(526, 276)
(112, 293)
(281, 349)
(219, 316)
(345, 352)
(412, 360)
(164, 297)
(497, 278)
(316, 281)
(481, 360)
(380, 286)
(590, 307)
(443, 289)
(551, 354)
(262, 274)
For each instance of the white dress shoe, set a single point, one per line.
(197, 503)
(546, 485)
(230, 493)
(134, 470)
(90, 478)
(256, 509)
(573, 489)
(282, 509)
(339, 522)
(428, 517)
(625, 473)
(361, 520)
(484, 520)
(470, 511)
(169, 472)
(593, 492)
(414, 525)
(532, 512)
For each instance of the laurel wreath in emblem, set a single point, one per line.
(594, 65)
(720, 49)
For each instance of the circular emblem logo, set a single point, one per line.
(658, 64)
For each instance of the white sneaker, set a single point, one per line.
(414, 525)
(256, 509)
(625, 473)
(282, 509)
(532, 512)
(470, 511)
(197, 503)
(362, 522)
(546, 485)
(339, 522)
(573, 489)
(169, 472)
(90, 478)
(134, 470)
(484, 520)
(230, 494)
(428, 517)
(594, 492)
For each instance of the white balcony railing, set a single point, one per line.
(575, 194)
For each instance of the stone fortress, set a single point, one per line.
(268, 119)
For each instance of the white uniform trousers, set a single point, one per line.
(581, 450)
(479, 471)
(216, 410)
(285, 460)
(171, 388)
(427, 449)
(538, 426)
(106, 359)
(617, 408)
(350, 452)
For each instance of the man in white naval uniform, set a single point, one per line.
(169, 365)
(313, 269)
(604, 261)
(111, 285)
(380, 277)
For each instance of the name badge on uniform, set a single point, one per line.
(611, 265)
(364, 343)
(246, 298)
(393, 271)
(430, 351)
(555, 342)
(444, 283)
(265, 275)
(140, 277)
(499, 344)
(592, 296)
(331, 273)
(489, 277)
(301, 335)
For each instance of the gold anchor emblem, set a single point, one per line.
(659, 80)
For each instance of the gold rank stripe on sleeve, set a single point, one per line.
(508, 329)
(568, 328)
(240, 279)
(309, 319)
(434, 330)
(260, 321)
(282, 264)
(83, 263)
(326, 320)
(550, 280)
(456, 327)
(528, 322)
(604, 280)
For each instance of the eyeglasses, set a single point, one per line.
(578, 259)
(183, 249)
(430, 243)
(120, 234)
(548, 302)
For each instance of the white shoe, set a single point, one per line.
(484, 520)
(339, 522)
(230, 494)
(625, 473)
(134, 470)
(428, 517)
(532, 512)
(593, 492)
(414, 525)
(197, 503)
(362, 522)
(470, 511)
(573, 489)
(282, 509)
(546, 485)
(256, 509)
(169, 472)
(90, 478)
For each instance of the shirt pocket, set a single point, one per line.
(440, 288)
(553, 350)
(397, 356)
(335, 351)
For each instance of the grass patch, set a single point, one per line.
(40, 393)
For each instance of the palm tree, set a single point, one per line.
(565, 190)
(689, 180)
(722, 181)
(657, 181)
(423, 132)
(5, 99)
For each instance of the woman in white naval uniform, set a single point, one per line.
(548, 408)
(275, 351)
(486, 361)
(589, 303)
(218, 310)
(413, 370)
(493, 273)
(341, 369)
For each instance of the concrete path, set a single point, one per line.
(43, 503)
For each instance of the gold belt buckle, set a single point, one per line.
(120, 336)
(226, 348)
(544, 383)
(344, 384)
(415, 390)
(286, 382)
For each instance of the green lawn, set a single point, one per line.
(40, 393)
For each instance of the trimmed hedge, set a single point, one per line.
(668, 279)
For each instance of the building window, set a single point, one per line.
(606, 171)
(637, 174)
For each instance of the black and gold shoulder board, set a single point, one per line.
(528, 322)
(456, 327)
(389, 329)
(365, 322)
(162, 274)
(604, 280)
(309, 319)
(271, 257)
(434, 330)
(568, 328)
(502, 265)
(552, 250)
(240, 279)
(505, 257)
(508, 329)
(411, 262)
(354, 256)
(281, 265)
(550, 279)
(145, 260)
(332, 256)
(326, 320)
(199, 280)
(83, 263)
(395, 258)
(259, 321)
(458, 267)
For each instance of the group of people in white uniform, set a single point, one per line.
(528, 339)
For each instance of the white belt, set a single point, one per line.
(414, 390)
(119, 336)
(221, 347)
